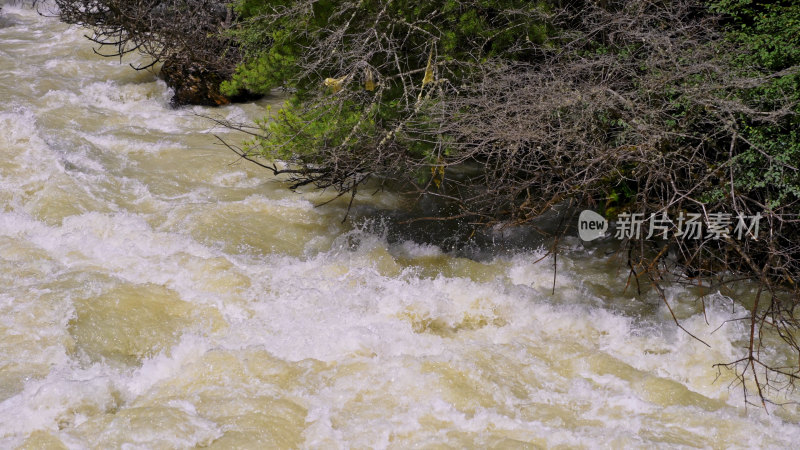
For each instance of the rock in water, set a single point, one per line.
(193, 85)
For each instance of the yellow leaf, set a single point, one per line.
(437, 175)
(369, 84)
(428, 70)
(335, 83)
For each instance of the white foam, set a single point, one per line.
(56, 400)
(378, 355)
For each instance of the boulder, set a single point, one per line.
(193, 85)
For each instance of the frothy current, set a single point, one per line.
(156, 293)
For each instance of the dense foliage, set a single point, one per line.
(363, 72)
(770, 33)
(399, 74)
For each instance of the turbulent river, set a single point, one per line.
(157, 293)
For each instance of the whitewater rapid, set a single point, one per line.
(156, 292)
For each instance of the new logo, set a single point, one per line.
(591, 225)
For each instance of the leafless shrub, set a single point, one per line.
(185, 35)
(659, 112)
